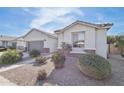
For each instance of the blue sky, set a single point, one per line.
(18, 21)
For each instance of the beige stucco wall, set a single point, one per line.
(49, 42)
(94, 39)
(101, 42)
(89, 35)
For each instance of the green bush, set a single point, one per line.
(58, 59)
(41, 75)
(94, 66)
(41, 60)
(34, 53)
(10, 57)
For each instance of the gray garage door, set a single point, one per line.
(35, 45)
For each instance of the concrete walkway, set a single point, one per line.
(17, 65)
(5, 82)
(26, 60)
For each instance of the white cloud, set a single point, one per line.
(61, 16)
(100, 18)
(29, 11)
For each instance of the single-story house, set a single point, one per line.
(40, 40)
(7, 41)
(82, 36)
(85, 37)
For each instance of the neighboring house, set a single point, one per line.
(85, 37)
(37, 39)
(7, 41)
(20, 43)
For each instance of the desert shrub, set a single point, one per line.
(10, 57)
(58, 59)
(94, 66)
(41, 75)
(41, 60)
(34, 53)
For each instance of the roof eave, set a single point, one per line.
(41, 32)
(76, 22)
(107, 26)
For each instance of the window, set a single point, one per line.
(78, 39)
(75, 37)
(81, 36)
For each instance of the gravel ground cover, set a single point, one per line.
(26, 75)
(70, 75)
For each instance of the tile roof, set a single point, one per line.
(107, 25)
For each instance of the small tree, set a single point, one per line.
(120, 44)
(110, 40)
